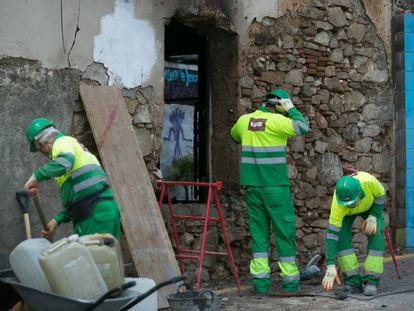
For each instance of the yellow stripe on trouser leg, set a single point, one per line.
(350, 268)
(260, 272)
(290, 276)
(374, 267)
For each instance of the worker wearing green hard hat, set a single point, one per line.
(358, 195)
(263, 136)
(83, 185)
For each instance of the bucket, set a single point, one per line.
(106, 253)
(142, 285)
(24, 261)
(71, 270)
(204, 300)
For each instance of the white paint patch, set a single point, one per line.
(126, 46)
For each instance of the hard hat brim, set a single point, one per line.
(346, 203)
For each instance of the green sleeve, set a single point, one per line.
(55, 168)
(61, 217)
(332, 233)
(235, 133)
(300, 125)
(376, 210)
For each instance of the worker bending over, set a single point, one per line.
(264, 175)
(83, 185)
(358, 195)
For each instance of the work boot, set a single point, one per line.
(369, 289)
(350, 289)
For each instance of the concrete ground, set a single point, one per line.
(393, 294)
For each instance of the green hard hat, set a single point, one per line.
(34, 128)
(282, 94)
(348, 190)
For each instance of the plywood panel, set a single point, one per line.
(121, 157)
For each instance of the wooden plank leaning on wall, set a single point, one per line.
(121, 156)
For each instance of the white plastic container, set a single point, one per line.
(106, 252)
(24, 261)
(142, 285)
(71, 270)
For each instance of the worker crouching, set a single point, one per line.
(358, 195)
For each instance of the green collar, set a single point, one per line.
(264, 109)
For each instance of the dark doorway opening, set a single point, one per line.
(186, 145)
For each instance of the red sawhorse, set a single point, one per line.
(181, 253)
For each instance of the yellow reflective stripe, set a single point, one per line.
(374, 264)
(348, 263)
(263, 160)
(259, 266)
(288, 269)
(264, 149)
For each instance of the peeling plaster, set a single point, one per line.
(126, 46)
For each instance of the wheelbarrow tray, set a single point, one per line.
(43, 301)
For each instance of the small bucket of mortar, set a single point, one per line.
(204, 300)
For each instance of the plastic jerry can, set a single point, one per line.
(106, 252)
(24, 261)
(71, 270)
(142, 285)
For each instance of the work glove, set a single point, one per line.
(285, 104)
(330, 276)
(370, 225)
(51, 230)
(32, 186)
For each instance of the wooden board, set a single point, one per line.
(121, 157)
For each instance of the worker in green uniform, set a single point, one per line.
(83, 185)
(263, 136)
(358, 195)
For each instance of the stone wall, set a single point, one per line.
(331, 60)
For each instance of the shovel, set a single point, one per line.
(23, 200)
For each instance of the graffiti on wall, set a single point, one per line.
(181, 81)
(177, 135)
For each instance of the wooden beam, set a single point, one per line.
(121, 156)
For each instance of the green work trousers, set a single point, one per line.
(105, 218)
(273, 205)
(374, 262)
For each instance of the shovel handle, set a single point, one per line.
(27, 226)
(40, 212)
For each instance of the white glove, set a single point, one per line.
(370, 225)
(31, 186)
(330, 276)
(285, 104)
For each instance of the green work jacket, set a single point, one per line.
(263, 136)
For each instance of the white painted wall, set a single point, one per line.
(126, 46)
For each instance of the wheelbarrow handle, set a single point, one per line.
(152, 290)
(113, 291)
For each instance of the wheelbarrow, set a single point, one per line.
(44, 301)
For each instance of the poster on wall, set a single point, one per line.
(177, 161)
(181, 81)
